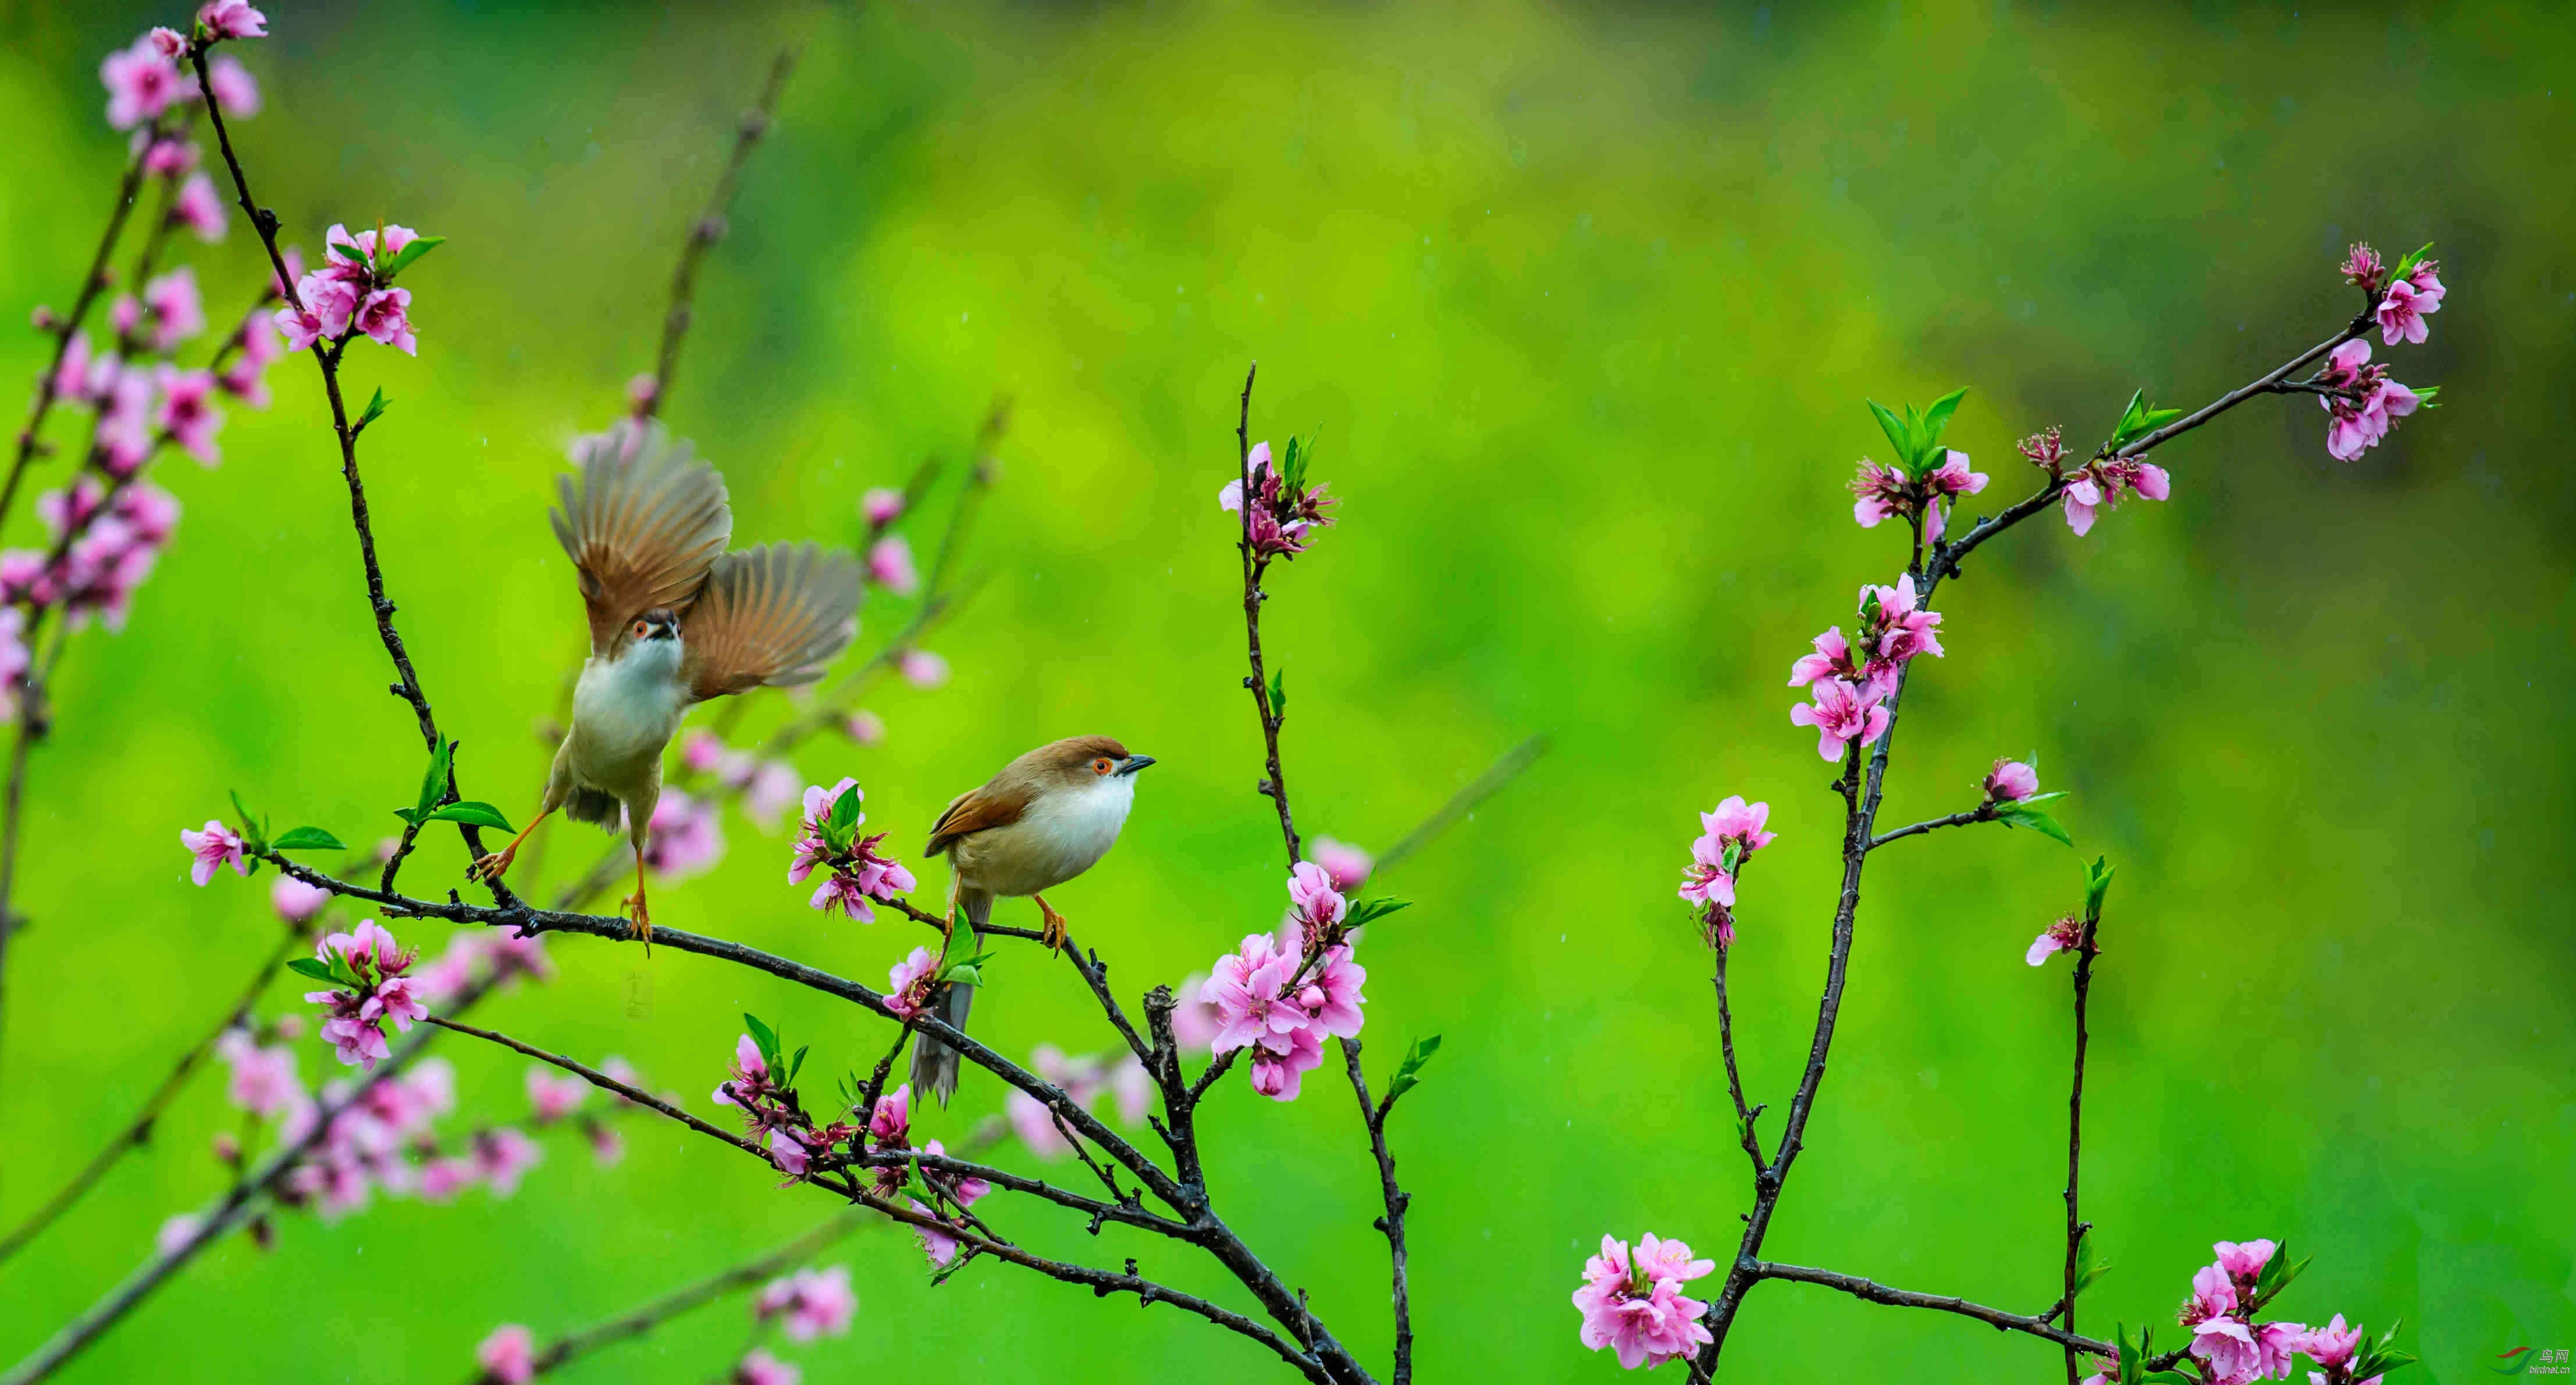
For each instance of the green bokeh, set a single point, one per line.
(1583, 305)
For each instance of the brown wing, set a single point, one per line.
(994, 805)
(645, 523)
(772, 615)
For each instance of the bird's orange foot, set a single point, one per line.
(490, 867)
(1053, 935)
(634, 904)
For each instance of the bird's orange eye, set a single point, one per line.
(1102, 766)
(643, 628)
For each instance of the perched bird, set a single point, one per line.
(674, 620)
(1046, 818)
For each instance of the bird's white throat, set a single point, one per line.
(633, 704)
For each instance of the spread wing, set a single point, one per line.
(975, 810)
(644, 523)
(771, 615)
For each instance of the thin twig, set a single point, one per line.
(2085, 952)
(1858, 1287)
(1983, 812)
(327, 359)
(1100, 1281)
(710, 228)
(1745, 1114)
(1861, 795)
(1396, 1201)
(1276, 785)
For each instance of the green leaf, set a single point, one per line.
(433, 785)
(1734, 856)
(1937, 417)
(351, 251)
(410, 815)
(1292, 470)
(2097, 883)
(2129, 417)
(1368, 909)
(2171, 1377)
(2407, 266)
(2269, 1282)
(404, 257)
(2425, 398)
(313, 967)
(2044, 797)
(1279, 693)
(966, 969)
(765, 1037)
(1898, 435)
(2084, 1253)
(2021, 814)
(2130, 1358)
(1408, 1074)
(307, 839)
(797, 1066)
(2085, 1280)
(845, 810)
(472, 814)
(248, 818)
(375, 409)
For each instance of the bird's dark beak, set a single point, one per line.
(1134, 763)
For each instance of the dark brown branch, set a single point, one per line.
(1861, 796)
(327, 359)
(1276, 785)
(1983, 812)
(710, 228)
(1998, 1318)
(1946, 556)
(573, 1346)
(138, 1132)
(1396, 1200)
(1745, 1114)
(2085, 952)
(1100, 1281)
(527, 921)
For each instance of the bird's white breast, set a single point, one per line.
(1060, 836)
(624, 713)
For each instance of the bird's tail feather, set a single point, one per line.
(591, 805)
(935, 1064)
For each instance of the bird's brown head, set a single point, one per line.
(660, 623)
(1083, 760)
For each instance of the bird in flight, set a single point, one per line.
(675, 620)
(1045, 818)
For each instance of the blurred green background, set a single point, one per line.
(1583, 304)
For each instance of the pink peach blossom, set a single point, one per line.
(1842, 714)
(1348, 866)
(508, 1356)
(890, 565)
(236, 93)
(215, 846)
(2402, 311)
(2010, 781)
(141, 83)
(234, 19)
